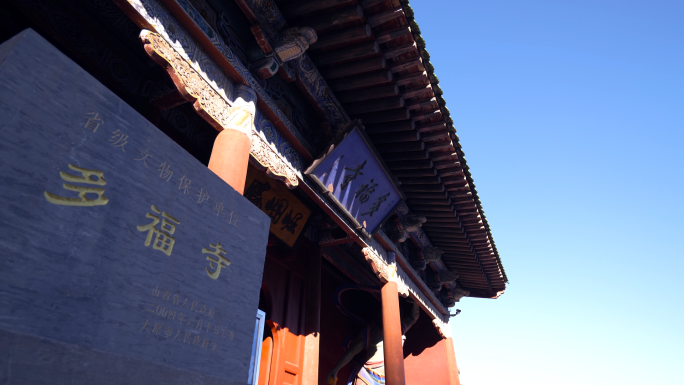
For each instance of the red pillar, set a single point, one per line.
(230, 155)
(391, 326)
(313, 319)
(451, 361)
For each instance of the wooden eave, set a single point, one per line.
(372, 55)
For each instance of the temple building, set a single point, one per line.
(326, 116)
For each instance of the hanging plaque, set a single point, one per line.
(355, 177)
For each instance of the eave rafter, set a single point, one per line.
(385, 78)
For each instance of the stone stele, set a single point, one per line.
(111, 268)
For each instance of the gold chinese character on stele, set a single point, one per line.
(93, 177)
(217, 258)
(163, 241)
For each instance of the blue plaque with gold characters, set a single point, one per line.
(123, 258)
(357, 180)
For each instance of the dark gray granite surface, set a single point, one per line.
(82, 297)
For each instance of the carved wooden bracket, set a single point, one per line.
(388, 272)
(216, 110)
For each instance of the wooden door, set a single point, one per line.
(286, 287)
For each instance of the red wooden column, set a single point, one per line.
(313, 319)
(230, 155)
(391, 326)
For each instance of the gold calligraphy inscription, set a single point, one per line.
(184, 184)
(202, 196)
(166, 295)
(143, 155)
(94, 177)
(218, 207)
(164, 241)
(217, 256)
(191, 330)
(165, 171)
(94, 121)
(233, 218)
(119, 139)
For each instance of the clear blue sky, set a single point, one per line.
(571, 116)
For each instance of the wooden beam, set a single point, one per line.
(302, 7)
(335, 20)
(432, 208)
(453, 235)
(439, 146)
(444, 163)
(418, 92)
(363, 81)
(438, 230)
(436, 135)
(428, 126)
(353, 53)
(410, 165)
(419, 180)
(343, 37)
(428, 202)
(398, 147)
(410, 173)
(382, 128)
(406, 65)
(397, 137)
(355, 68)
(385, 116)
(394, 52)
(384, 37)
(369, 94)
(406, 155)
(445, 224)
(375, 105)
(455, 180)
(446, 155)
(420, 77)
(437, 214)
(458, 242)
(370, 3)
(427, 196)
(428, 115)
(452, 171)
(383, 17)
(423, 188)
(427, 103)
